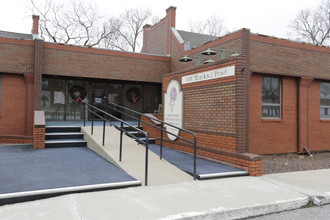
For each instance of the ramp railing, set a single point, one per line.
(109, 118)
(132, 114)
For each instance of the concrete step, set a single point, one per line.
(64, 135)
(65, 143)
(50, 129)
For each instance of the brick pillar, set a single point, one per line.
(28, 103)
(38, 44)
(170, 20)
(145, 40)
(242, 90)
(39, 130)
(303, 113)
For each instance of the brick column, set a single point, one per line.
(38, 44)
(242, 90)
(39, 130)
(303, 113)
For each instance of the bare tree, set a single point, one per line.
(72, 22)
(313, 25)
(214, 26)
(127, 29)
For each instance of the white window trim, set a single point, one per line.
(321, 106)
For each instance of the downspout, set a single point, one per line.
(307, 145)
(303, 84)
(27, 89)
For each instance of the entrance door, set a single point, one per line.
(98, 99)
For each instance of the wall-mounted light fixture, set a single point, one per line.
(223, 52)
(209, 52)
(186, 59)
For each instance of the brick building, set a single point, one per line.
(275, 100)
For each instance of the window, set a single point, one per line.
(271, 97)
(325, 100)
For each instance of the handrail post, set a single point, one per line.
(146, 162)
(161, 141)
(92, 128)
(103, 132)
(121, 141)
(139, 121)
(195, 157)
(84, 114)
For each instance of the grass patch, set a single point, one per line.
(309, 205)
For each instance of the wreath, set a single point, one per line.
(133, 94)
(78, 93)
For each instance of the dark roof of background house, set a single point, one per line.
(195, 39)
(15, 35)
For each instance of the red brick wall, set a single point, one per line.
(156, 38)
(270, 136)
(246, 161)
(16, 140)
(214, 118)
(13, 105)
(318, 130)
(16, 56)
(76, 61)
(279, 56)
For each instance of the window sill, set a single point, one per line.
(325, 120)
(272, 120)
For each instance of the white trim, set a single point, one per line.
(177, 35)
(225, 174)
(209, 75)
(68, 189)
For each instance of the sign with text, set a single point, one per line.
(209, 75)
(173, 108)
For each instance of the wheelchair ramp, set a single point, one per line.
(133, 157)
(205, 169)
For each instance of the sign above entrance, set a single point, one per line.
(209, 75)
(173, 108)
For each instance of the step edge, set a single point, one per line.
(53, 141)
(69, 189)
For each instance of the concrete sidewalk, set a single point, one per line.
(230, 198)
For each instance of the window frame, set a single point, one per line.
(272, 104)
(324, 106)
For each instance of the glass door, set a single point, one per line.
(99, 96)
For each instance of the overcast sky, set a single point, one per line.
(269, 17)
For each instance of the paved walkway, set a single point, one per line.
(230, 198)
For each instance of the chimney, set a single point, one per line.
(170, 14)
(35, 26)
(145, 40)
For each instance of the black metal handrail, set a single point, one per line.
(117, 108)
(91, 108)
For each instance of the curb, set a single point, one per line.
(245, 212)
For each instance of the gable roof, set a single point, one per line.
(195, 39)
(16, 35)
